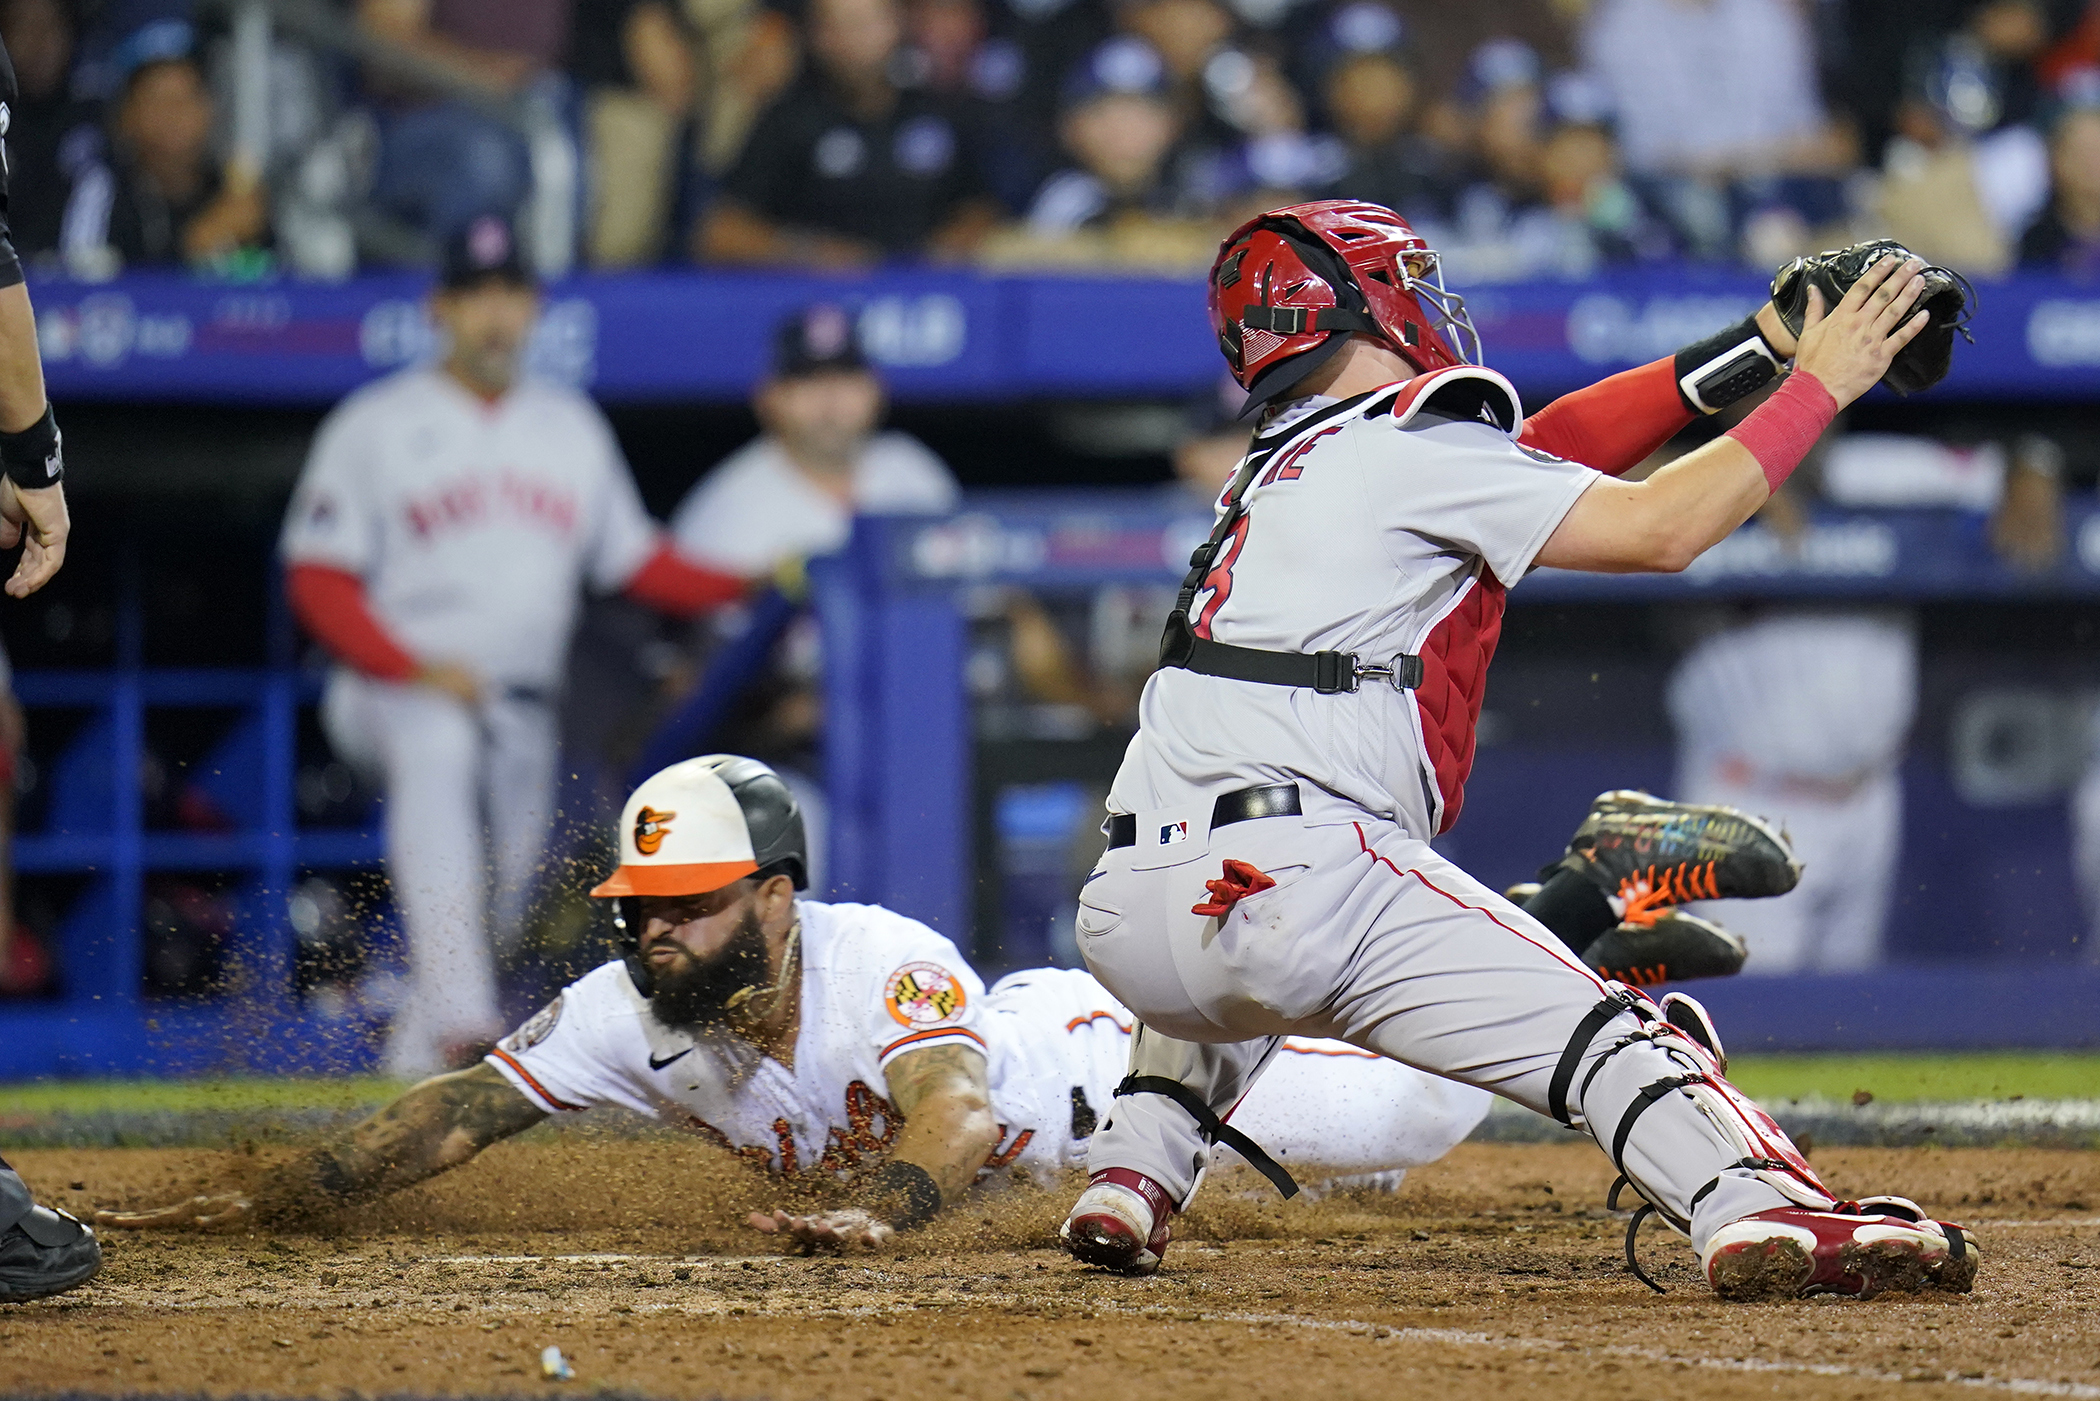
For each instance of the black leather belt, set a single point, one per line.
(1270, 800)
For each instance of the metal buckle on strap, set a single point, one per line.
(1340, 671)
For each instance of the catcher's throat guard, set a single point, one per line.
(1290, 286)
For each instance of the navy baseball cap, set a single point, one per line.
(486, 248)
(1121, 67)
(817, 340)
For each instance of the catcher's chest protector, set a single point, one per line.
(1454, 682)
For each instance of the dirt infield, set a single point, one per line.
(1496, 1271)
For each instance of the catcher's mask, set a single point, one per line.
(695, 827)
(1289, 287)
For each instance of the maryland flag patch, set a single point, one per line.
(924, 994)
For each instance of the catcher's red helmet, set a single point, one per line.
(1290, 285)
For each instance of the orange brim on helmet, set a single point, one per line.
(686, 878)
(683, 832)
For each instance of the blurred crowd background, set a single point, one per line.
(1525, 138)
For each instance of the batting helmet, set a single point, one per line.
(1288, 288)
(698, 825)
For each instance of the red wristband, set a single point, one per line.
(1780, 431)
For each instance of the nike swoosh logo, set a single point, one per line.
(655, 1064)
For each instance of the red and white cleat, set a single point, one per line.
(1121, 1222)
(1859, 1248)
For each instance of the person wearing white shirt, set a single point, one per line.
(792, 492)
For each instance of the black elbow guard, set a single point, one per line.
(1718, 371)
(36, 456)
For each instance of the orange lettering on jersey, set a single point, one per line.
(790, 1161)
(860, 1137)
(1020, 1145)
(760, 1158)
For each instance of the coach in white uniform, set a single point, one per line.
(793, 491)
(436, 543)
(845, 1042)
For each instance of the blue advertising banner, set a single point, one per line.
(937, 335)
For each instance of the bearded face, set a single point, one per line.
(692, 994)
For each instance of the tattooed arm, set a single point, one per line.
(439, 1124)
(943, 1094)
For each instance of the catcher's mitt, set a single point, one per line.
(1948, 297)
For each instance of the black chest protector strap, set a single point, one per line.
(1213, 1129)
(1324, 672)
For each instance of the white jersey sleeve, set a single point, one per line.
(914, 986)
(622, 534)
(901, 476)
(571, 1054)
(333, 519)
(1468, 486)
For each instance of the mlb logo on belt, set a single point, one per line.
(1173, 832)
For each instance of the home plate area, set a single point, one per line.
(1497, 1271)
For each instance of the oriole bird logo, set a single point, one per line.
(650, 829)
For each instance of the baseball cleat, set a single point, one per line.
(1649, 853)
(42, 1251)
(1673, 947)
(1121, 1222)
(1857, 1248)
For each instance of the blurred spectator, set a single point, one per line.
(635, 61)
(792, 492)
(1131, 198)
(1553, 201)
(1965, 173)
(752, 52)
(49, 131)
(2066, 236)
(163, 200)
(950, 51)
(1707, 93)
(1374, 103)
(847, 168)
(443, 163)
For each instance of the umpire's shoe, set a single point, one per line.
(42, 1251)
(1677, 946)
(1651, 853)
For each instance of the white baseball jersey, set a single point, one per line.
(875, 986)
(1821, 696)
(472, 523)
(756, 508)
(1373, 527)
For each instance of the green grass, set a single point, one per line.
(1889, 1078)
(45, 1098)
(1922, 1076)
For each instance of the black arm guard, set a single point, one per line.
(1718, 371)
(36, 456)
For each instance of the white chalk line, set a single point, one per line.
(1378, 1332)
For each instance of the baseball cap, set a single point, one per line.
(703, 823)
(487, 247)
(1123, 66)
(1495, 67)
(815, 340)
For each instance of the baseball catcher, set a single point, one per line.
(1268, 871)
(848, 1041)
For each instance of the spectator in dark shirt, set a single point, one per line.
(1373, 101)
(442, 163)
(1133, 196)
(2066, 238)
(163, 200)
(847, 168)
(636, 63)
(48, 131)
